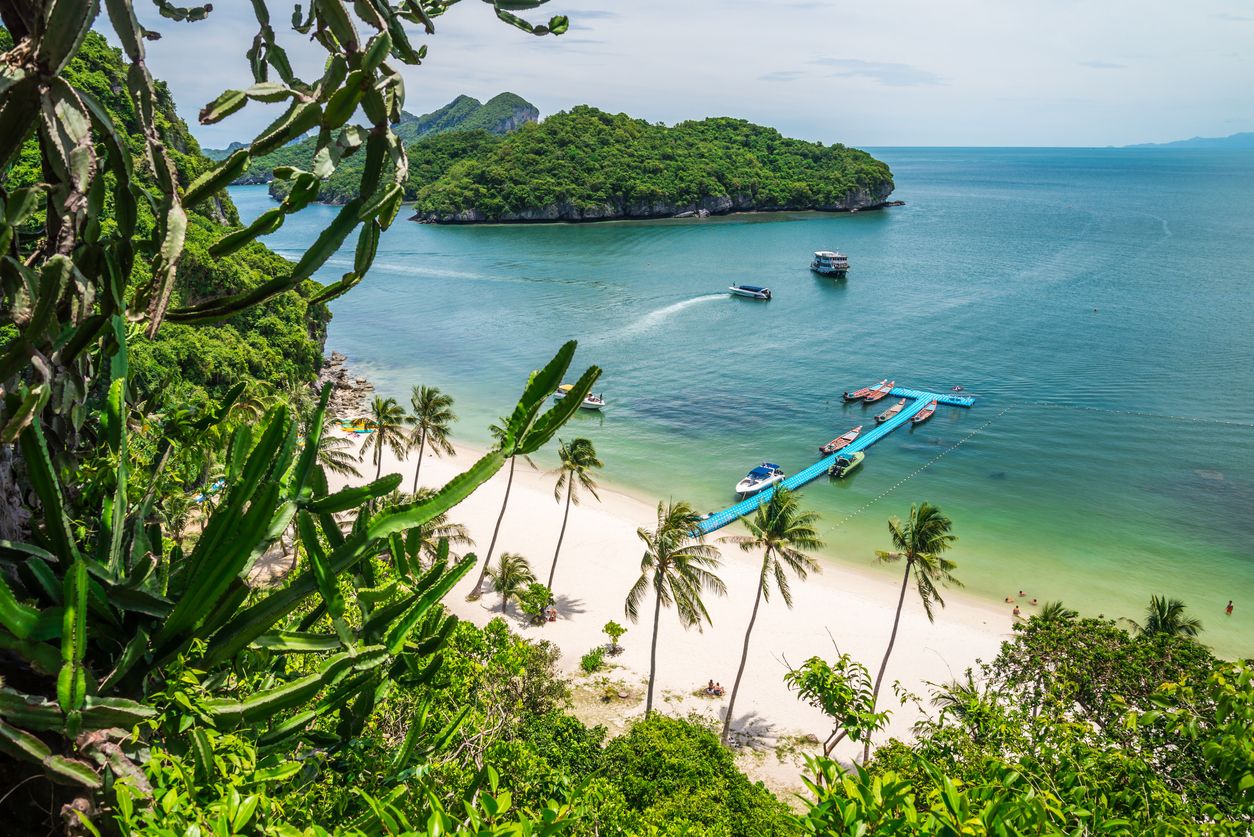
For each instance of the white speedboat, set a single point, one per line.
(830, 263)
(591, 402)
(751, 291)
(763, 476)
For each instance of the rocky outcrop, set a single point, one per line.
(712, 205)
(349, 394)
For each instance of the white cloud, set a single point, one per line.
(898, 72)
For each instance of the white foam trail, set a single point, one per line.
(654, 318)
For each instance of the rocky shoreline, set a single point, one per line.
(856, 201)
(350, 394)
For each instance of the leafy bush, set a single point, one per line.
(593, 661)
(534, 600)
(615, 632)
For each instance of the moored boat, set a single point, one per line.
(845, 465)
(830, 263)
(859, 394)
(590, 402)
(890, 412)
(924, 414)
(879, 392)
(840, 441)
(751, 291)
(763, 476)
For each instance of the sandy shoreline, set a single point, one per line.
(600, 560)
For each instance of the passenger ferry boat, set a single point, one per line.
(766, 474)
(830, 263)
(591, 402)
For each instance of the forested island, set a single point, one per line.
(496, 163)
(588, 165)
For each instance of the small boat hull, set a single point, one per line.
(750, 291)
(879, 392)
(924, 414)
(761, 477)
(859, 394)
(846, 465)
(591, 402)
(890, 412)
(840, 442)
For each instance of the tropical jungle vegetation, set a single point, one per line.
(152, 683)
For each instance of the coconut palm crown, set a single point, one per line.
(1165, 617)
(430, 421)
(387, 420)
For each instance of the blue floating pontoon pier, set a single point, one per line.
(918, 400)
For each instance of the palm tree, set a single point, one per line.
(1055, 612)
(387, 419)
(919, 542)
(498, 431)
(678, 568)
(430, 420)
(510, 576)
(782, 531)
(578, 459)
(333, 456)
(1165, 617)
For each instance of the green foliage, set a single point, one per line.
(843, 691)
(593, 661)
(1076, 727)
(533, 601)
(675, 771)
(615, 632)
(511, 577)
(588, 163)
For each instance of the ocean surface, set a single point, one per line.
(1098, 303)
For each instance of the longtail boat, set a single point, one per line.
(858, 395)
(879, 392)
(890, 412)
(924, 414)
(840, 441)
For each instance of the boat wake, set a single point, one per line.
(655, 318)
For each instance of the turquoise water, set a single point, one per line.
(1098, 303)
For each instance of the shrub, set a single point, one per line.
(593, 661)
(615, 632)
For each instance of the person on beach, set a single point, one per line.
(1015, 612)
(1034, 602)
(1228, 609)
(709, 688)
(1022, 594)
(1009, 600)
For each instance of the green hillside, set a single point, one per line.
(586, 164)
(499, 115)
(275, 345)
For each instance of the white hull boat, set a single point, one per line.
(763, 476)
(830, 263)
(591, 402)
(751, 291)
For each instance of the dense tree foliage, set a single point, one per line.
(588, 163)
(276, 346)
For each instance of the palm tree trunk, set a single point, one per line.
(474, 594)
(744, 656)
(422, 443)
(570, 487)
(378, 458)
(892, 638)
(657, 615)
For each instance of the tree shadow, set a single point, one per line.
(568, 606)
(749, 728)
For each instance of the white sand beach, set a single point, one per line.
(600, 560)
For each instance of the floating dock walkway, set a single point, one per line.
(918, 400)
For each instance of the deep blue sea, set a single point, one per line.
(1099, 304)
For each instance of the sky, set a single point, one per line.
(886, 73)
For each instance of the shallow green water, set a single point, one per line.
(1098, 303)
